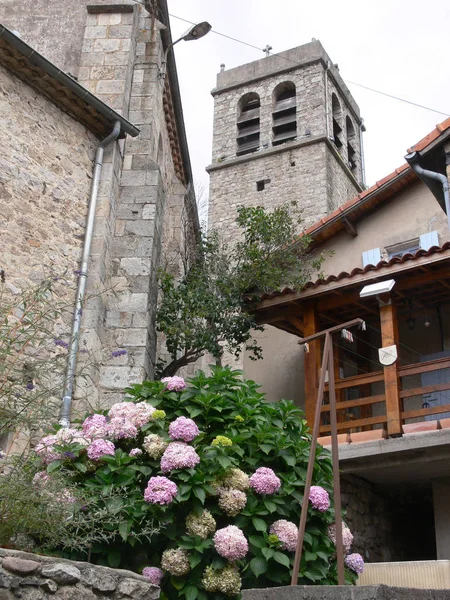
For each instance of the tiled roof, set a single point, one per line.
(380, 191)
(359, 271)
(433, 135)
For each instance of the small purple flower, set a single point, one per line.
(264, 481)
(319, 498)
(117, 353)
(160, 490)
(61, 343)
(78, 272)
(287, 533)
(30, 385)
(174, 384)
(355, 562)
(135, 452)
(153, 574)
(183, 429)
(69, 455)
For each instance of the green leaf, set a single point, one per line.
(258, 566)
(268, 552)
(271, 506)
(190, 592)
(200, 493)
(114, 559)
(266, 448)
(124, 529)
(55, 464)
(80, 467)
(259, 524)
(194, 412)
(310, 556)
(282, 559)
(177, 582)
(256, 541)
(194, 560)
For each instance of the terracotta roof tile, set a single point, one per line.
(424, 142)
(359, 271)
(384, 181)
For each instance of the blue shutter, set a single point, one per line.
(427, 240)
(371, 257)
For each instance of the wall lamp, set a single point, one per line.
(376, 289)
(194, 33)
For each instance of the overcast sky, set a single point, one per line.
(399, 47)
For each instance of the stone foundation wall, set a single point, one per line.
(370, 516)
(32, 577)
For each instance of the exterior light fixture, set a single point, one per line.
(193, 33)
(381, 287)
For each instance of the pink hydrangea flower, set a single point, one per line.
(160, 490)
(319, 498)
(183, 429)
(99, 448)
(121, 429)
(65, 436)
(287, 533)
(264, 481)
(174, 384)
(137, 414)
(179, 455)
(40, 479)
(135, 452)
(95, 426)
(347, 536)
(154, 574)
(230, 543)
(355, 562)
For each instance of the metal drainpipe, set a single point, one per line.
(82, 277)
(361, 150)
(412, 160)
(326, 100)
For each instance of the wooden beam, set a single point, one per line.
(312, 362)
(389, 336)
(375, 275)
(349, 227)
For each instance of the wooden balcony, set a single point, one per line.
(369, 412)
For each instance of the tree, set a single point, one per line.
(211, 305)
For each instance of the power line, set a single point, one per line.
(229, 37)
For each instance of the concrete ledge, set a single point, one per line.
(347, 592)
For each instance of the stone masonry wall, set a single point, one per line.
(32, 577)
(371, 519)
(45, 176)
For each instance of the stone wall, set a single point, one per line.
(371, 518)
(32, 577)
(144, 217)
(347, 592)
(45, 176)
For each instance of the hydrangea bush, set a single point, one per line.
(220, 472)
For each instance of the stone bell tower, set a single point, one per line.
(285, 128)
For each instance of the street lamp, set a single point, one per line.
(194, 33)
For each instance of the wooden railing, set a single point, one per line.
(351, 424)
(342, 406)
(418, 369)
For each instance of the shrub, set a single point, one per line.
(220, 472)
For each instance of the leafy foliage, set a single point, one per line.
(211, 305)
(262, 435)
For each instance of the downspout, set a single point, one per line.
(82, 277)
(412, 159)
(362, 129)
(326, 100)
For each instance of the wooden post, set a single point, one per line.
(389, 336)
(312, 363)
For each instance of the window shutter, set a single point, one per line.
(427, 240)
(371, 257)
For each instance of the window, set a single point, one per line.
(399, 250)
(336, 114)
(284, 114)
(248, 124)
(351, 144)
(261, 184)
